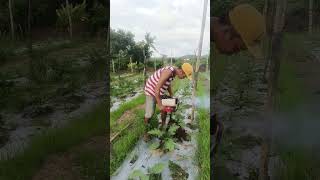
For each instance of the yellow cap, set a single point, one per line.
(251, 26)
(187, 69)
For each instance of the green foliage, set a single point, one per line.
(166, 138)
(138, 174)
(154, 173)
(169, 144)
(38, 69)
(123, 46)
(98, 17)
(133, 66)
(172, 130)
(203, 151)
(154, 145)
(77, 12)
(97, 65)
(156, 132)
(126, 142)
(157, 168)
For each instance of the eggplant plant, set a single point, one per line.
(154, 173)
(166, 138)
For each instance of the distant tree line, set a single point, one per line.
(123, 47)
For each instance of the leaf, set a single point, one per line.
(144, 177)
(154, 145)
(157, 168)
(156, 132)
(136, 174)
(172, 130)
(169, 145)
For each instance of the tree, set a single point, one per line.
(29, 27)
(310, 15)
(69, 18)
(11, 20)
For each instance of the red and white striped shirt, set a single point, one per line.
(150, 87)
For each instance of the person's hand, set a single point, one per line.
(161, 107)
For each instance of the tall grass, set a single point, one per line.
(54, 141)
(298, 162)
(126, 142)
(203, 138)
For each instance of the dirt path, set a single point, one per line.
(65, 166)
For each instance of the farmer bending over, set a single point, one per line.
(156, 86)
(239, 29)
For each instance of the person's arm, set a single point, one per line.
(165, 75)
(170, 91)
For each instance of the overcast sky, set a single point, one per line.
(175, 23)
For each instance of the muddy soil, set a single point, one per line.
(55, 113)
(66, 167)
(239, 151)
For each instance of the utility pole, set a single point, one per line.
(276, 12)
(171, 57)
(196, 68)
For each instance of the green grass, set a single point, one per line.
(291, 89)
(126, 142)
(203, 138)
(300, 163)
(54, 141)
(123, 108)
(90, 164)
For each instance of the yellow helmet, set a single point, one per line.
(187, 69)
(251, 26)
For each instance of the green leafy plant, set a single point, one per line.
(138, 174)
(154, 173)
(166, 138)
(78, 14)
